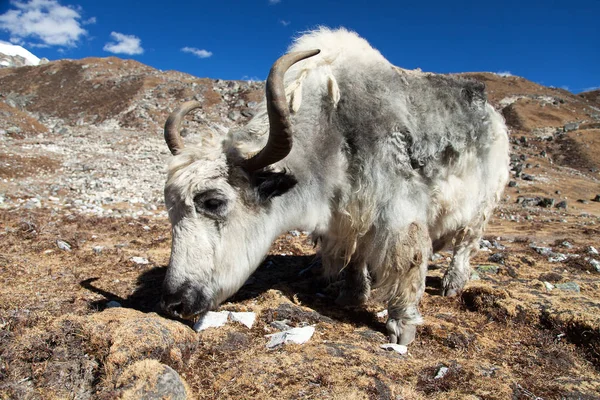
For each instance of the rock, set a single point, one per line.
(566, 245)
(97, 249)
(597, 198)
(140, 260)
(512, 184)
(442, 371)
(149, 379)
(548, 286)
(562, 204)
(528, 201)
(294, 335)
(546, 202)
(281, 325)
(557, 192)
(398, 348)
(544, 251)
(13, 130)
(568, 287)
(583, 201)
(217, 319)
(475, 276)
(63, 245)
(245, 318)
(595, 264)
(497, 258)
(113, 304)
(211, 320)
(591, 250)
(557, 257)
(527, 177)
(571, 126)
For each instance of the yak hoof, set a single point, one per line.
(399, 333)
(452, 285)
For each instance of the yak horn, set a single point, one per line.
(172, 135)
(280, 139)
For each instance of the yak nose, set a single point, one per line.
(184, 301)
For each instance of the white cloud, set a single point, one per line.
(589, 89)
(124, 44)
(273, 2)
(89, 21)
(200, 53)
(46, 21)
(504, 73)
(284, 23)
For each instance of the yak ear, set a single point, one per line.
(269, 184)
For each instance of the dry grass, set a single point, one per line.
(504, 338)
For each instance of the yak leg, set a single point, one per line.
(357, 285)
(465, 243)
(403, 315)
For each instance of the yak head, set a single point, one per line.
(225, 210)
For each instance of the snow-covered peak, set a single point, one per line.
(11, 50)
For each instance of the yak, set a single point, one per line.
(383, 165)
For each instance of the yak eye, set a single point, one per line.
(211, 203)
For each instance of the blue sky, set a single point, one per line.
(550, 42)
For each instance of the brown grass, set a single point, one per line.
(504, 338)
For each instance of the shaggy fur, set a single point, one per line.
(387, 161)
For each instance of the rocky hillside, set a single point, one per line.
(115, 93)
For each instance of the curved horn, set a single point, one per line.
(172, 136)
(280, 139)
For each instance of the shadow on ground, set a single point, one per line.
(297, 277)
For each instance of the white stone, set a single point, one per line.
(398, 348)
(294, 335)
(211, 320)
(441, 373)
(244, 318)
(140, 260)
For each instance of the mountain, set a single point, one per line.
(121, 93)
(16, 56)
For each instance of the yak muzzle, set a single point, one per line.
(186, 301)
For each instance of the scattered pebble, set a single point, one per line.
(281, 325)
(398, 348)
(140, 260)
(382, 314)
(97, 249)
(548, 286)
(595, 264)
(568, 287)
(591, 250)
(294, 335)
(63, 245)
(441, 372)
(497, 258)
(557, 257)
